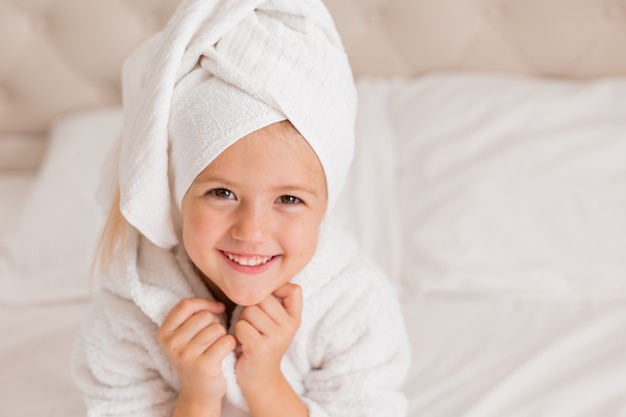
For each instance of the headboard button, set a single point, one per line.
(40, 23)
(615, 11)
(5, 94)
(493, 12)
(110, 91)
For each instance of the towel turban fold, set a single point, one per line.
(218, 71)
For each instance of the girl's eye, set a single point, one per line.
(222, 193)
(289, 199)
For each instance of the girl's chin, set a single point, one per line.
(248, 300)
(243, 298)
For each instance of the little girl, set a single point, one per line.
(228, 289)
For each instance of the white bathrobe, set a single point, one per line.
(219, 70)
(348, 358)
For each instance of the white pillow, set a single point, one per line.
(511, 185)
(20, 151)
(47, 255)
(367, 206)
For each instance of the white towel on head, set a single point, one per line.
(207, 116)
(281, 58)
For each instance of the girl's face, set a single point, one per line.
(251, 218)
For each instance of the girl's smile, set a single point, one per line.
(250, 264)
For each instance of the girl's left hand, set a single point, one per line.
(265, 331)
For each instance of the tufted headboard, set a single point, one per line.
(58, 56)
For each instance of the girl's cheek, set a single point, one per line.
(304, 234)
(204, 216)
(200, 224)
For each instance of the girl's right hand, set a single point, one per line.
(196, 343)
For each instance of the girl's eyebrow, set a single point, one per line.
(294, 187)
(201, 179)
(279, 188)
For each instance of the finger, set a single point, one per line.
(273, 307)
(205, 338)
(188, 307)
(210, 361)
(218, 350)
(259, 317)
(291, 298)
(194, 325)
(246, 333)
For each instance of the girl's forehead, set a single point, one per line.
(280, 135)
(278, 148)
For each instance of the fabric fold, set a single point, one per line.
(141, 279)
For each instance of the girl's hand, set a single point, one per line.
(196, 343)
(265, 331)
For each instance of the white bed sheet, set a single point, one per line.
(473, 356)
(35, 348)
(482, 356)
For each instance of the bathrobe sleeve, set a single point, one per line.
(115, 362)
(359, 349)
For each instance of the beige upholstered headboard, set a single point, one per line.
(57, 56)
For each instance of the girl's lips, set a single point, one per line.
(249, 264)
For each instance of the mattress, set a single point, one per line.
(496, 208)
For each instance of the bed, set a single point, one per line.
(489, 182)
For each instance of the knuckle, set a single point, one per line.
(217, 329)
(296, 289)
(186, 303)
(247, 312)
(226, 343)
(173, 348)
(239, 325)
(186, 357)
(210, 334)
(224, 340)
(241, 328)
(230, 341)
(204, 316)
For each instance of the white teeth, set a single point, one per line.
(253, 261)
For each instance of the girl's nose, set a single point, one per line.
(252, 225)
